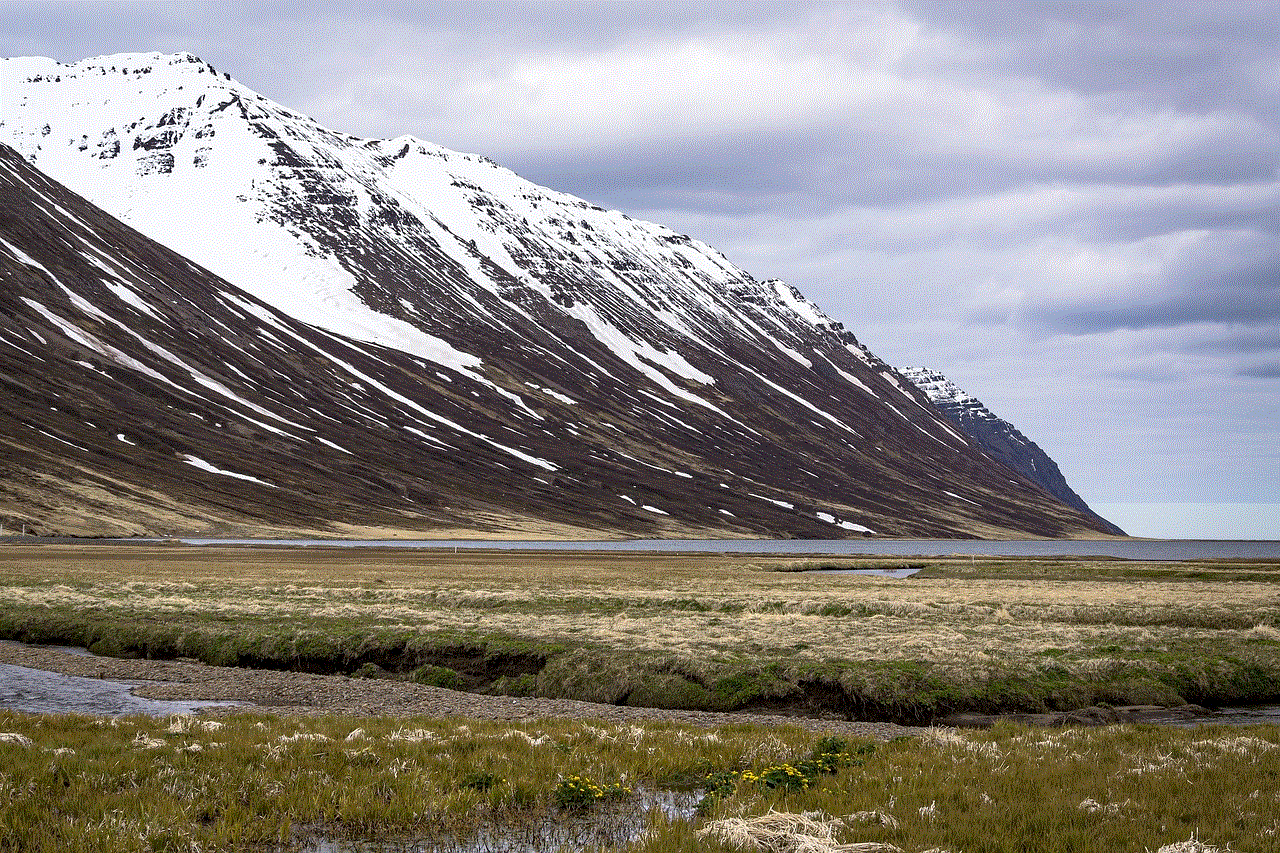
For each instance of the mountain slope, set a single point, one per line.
(997, 437)
(413, 338)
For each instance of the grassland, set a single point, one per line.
(683, 631)
(252, 782)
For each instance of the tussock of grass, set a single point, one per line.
(784, 832)
(253, 782)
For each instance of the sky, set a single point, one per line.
(1071, 209)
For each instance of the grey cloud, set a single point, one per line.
(78, 30)
(834, 166)
(549, 25)
(1265, 370)
(849, 159)
(1149, 374)
(753, 173)
(708, 176)
(1247, 340)
(1259, 214)
(1248, 295)
(1185, 54)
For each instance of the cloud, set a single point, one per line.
(1244, 293)
(1263, 370)
(1234, 339)
(1183, 54)
(1171, 279)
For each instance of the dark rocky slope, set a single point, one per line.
(145, 395)
(405, 338)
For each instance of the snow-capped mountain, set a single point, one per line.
(311, 330)
(997, 437)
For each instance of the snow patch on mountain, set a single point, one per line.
(197, 462)
(939, 389)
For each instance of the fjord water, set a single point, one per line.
(1132, 549)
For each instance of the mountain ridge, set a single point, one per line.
(997, 437)
(516, 334)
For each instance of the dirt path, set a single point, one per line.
(294, 693)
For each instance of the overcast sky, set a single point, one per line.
(1071, 209)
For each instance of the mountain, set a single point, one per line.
(220, 316)
(997, 437)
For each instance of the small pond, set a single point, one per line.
(607, 826)
(879, 573)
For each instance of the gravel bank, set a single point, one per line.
(296, 693)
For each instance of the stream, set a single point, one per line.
(37, 691)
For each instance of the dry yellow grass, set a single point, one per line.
(693, 606)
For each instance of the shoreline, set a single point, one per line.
(1114, 549)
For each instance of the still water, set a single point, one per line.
(1134, 549)
(610, 825)
(878, 573)
(1247, 716)
(36, 691)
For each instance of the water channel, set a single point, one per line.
(37, 691)
(607, 826)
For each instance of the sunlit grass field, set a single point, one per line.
(257, 782)
(667, 630)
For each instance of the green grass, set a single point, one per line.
(254, 782)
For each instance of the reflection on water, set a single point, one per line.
(37, 691)
(607, 826)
